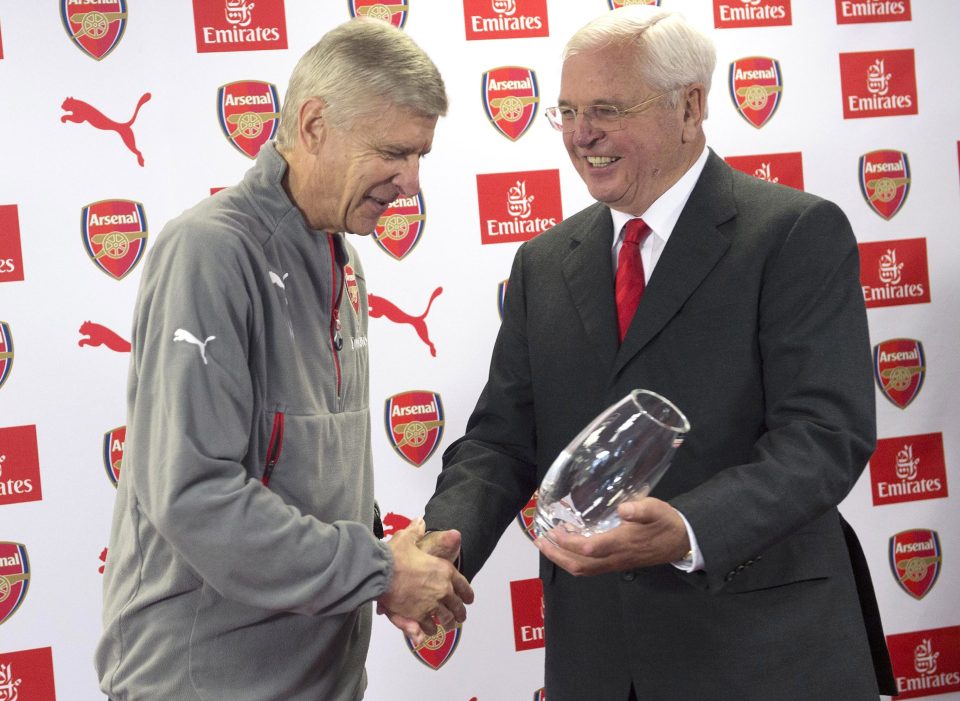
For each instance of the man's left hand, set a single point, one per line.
(651, 532)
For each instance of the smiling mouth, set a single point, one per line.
(601, 161)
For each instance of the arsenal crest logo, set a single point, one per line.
(885, 181)
(526, 515)
(414, 424)
(510, 97)
(756, 86)
(401, 226)
(95, 31)
(501, 296)
(114, 441)
(899, 368)
(6, 352)
(249, 113)
(353, 290)
(438, 648)
(14, 578)
(114, 233)
(394, 13)
(915, 558)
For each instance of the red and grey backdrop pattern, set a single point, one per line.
(119, 114)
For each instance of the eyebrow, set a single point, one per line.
(601, 101)
(404, 150)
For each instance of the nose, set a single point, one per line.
(584, 133)
(408, 177)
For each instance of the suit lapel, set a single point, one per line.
(693, 249)
(588, 273)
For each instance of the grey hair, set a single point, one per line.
(357, 67)
(670, 53)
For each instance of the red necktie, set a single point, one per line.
(629, 283)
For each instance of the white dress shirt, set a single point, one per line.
(661, 217)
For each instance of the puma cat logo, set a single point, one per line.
(98, 335)
(187, 337)
(394, 523)
(79, 111)
(383, 307)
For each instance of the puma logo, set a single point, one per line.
(394, 523)
(187, 337)
(383, 307)
(79, 111)
(98, 335)
(277, 280)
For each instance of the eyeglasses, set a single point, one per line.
(601, 117)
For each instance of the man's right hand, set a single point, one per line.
(425, 590)
(445, 544)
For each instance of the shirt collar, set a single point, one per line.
(663, 214)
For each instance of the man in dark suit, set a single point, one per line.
(737, 578)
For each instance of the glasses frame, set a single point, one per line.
(553, 114)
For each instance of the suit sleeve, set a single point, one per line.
(192, 421)
(818, 414)
(490, 473)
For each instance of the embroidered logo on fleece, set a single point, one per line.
(187, 337)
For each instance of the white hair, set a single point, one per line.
(670, 53)
(356, 68)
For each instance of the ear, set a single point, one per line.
(311, 124)
(694, 101)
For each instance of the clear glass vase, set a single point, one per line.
(620, 455)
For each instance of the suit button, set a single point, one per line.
(629, 576)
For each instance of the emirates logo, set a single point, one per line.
(889, 268)
(894, 272)
(780, 168)
(906, 468)
(9, 684)
(924, 657)
(27, 675)
(518, 206)
(878, 83)
(518, 202)
(878, 80)
(239, 13)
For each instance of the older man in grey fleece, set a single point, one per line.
(243, 561)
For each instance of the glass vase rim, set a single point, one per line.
(685, 423)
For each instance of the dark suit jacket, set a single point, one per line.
(753, 323)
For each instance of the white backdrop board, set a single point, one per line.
(852, 100)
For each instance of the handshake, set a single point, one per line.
(426, 590)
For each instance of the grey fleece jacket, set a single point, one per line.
(241, 560)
